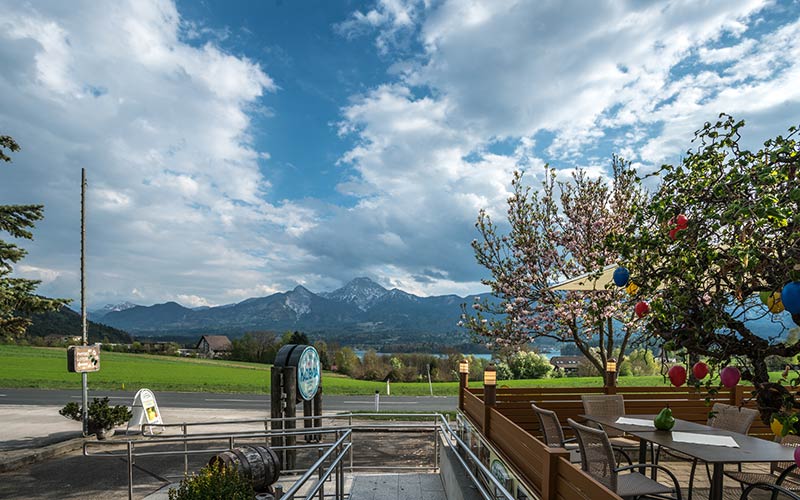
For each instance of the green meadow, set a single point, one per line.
(46, 368)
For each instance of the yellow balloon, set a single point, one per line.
(632, 288)
(774, 303)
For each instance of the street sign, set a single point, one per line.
(83, 358)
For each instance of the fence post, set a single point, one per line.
(550, 473)
(489, 397)
(737, 395)
(463, 382)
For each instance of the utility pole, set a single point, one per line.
(84, 375)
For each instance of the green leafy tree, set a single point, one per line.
(722, 227)
(18, 298)
(526, 365)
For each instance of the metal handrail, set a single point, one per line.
(320, 461)
(442, 426)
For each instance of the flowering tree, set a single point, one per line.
(552, 237)
(721, 233)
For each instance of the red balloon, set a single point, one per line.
(677, 375)
(700, 370)
(673, 233)
(682, 221)
(730, 376)
(641, 308)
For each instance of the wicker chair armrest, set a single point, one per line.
(774, 488)
(659, 467)
(786, 472)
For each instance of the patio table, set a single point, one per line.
(749, 450)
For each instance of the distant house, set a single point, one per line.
(214, 346)
(567, 364)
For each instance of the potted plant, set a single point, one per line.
(102, 417)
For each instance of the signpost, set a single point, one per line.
(83, 358)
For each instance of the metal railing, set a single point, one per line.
(485, 482)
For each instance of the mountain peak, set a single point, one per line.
(362, 292)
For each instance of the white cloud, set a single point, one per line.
(176, 196)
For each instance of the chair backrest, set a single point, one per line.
(597, 456)
(612, 405)
(551, 428)
(732, 418)
(777, 468)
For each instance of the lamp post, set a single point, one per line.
(611, 374)
(463, 381)
(489, 396)
(490, 386)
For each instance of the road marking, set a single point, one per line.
(109, 397)
(238, 400)
(2, 395)
(382, 402)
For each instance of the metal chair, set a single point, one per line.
(783, 474)
(723, 416)
(778, 492)
(597, 460)
(553, 434)
(610, 406)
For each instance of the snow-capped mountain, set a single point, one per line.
(360, 307)
(362, 292)
(109, 308)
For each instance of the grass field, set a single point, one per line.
(46, 368)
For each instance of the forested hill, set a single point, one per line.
(67, 322)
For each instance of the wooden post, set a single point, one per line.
(550, 472)
(489, 397)
(318, 411)
(276, 408)
(463, 384)
(290, 386)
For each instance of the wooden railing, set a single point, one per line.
(512, 428)
(545, 470)
(686, 403)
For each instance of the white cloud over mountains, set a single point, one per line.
(179, 204)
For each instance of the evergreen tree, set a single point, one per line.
(18, 299)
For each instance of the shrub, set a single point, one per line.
(212, 483)
(101, 415)
(526, 365)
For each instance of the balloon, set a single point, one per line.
(776, 427)
(730, 376)
(774, 303)
(621, 276)
(677, 375)
(682, 221)
(764, 296)
(641, 308)
(797, 456)
(673, 233)
(700, 370)
(632, 288)
(790, 296)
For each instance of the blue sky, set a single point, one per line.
(236, 149)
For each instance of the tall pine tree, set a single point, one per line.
(18, 298)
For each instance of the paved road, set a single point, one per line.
(40, 397)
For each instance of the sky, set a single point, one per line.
(237, 149)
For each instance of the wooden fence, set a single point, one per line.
(513, 429)
(545, 470)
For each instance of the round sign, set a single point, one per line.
(308, 373)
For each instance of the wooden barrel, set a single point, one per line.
(257, 463)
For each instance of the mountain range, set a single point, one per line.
(358, 310)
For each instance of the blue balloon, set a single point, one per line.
(621, 276)
(790, 296)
